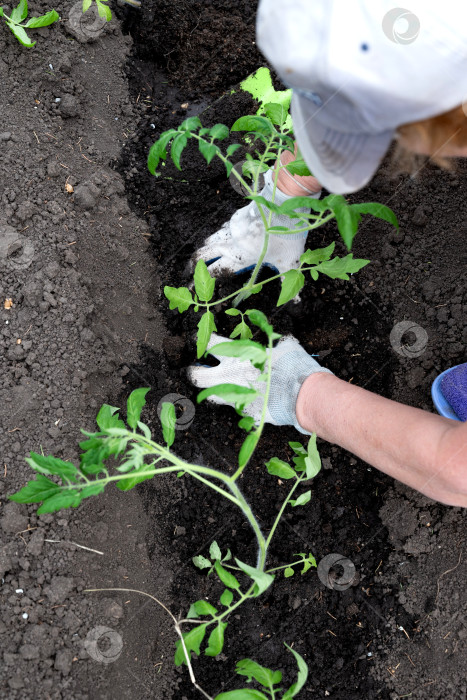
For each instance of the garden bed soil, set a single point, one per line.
(86, 287)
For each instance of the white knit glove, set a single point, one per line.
(291, 365)
(236, 247)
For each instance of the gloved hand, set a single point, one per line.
(237, 245)
(291, 365)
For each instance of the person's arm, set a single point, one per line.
(423, 450)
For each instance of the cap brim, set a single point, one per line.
(342, 162)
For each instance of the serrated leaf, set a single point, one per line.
(313, 257)
(380, 211)
(232, 148)
(219, 131)
(35, 491)
(341, 268)
(290, 205)
(259, 199)
(108, 418)
(243, 350)
(190, 124)
(292, 283)
(226, 598)
(204, 283)
(261, 125)
(134, 478)
(178, 144)
(52, 465)
(134, 406)
(347, 218)
(288, 572)
(20, 12)
(92, 490)
(215, 551)
(207, 150)
(301, 500)
(201, 607)
(265, 676)
(276, 113)
(43, 20)
(226, 577)
(259, 319)
(216, 640)
(247, 448)
(206, 327)
(179, 297)
(277, 467)
(64, 499)
(261, 578)
(192, 640)
(301, 678)
(201, 562)
(240, 396)
(243, 330)
(168, 420)
(298, 167)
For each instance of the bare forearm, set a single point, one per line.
(423, 450)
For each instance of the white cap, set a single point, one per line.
(359, 69)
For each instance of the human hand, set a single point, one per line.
(291, 365)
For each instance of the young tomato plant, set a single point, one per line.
(16, 22)
(137, 457)
(271, 132)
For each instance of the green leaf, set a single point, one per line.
(232, 148)
(134, 478)
(248, 448)
(43, 20)
(192, 640)
(244, 694)
(1, 11)
(242, 350)
(68, 498)
(246, 423)
(52, 465)
(298, 448)
(380, 211)
(178, 144)
(86, 5)
(204, 283)
(253, 168)
(340, 268)
(168, 420)
(260, 320)
(301, 678)
(190, 124)
(215, 551)
(261, 578)
(255, 124)
(240, 396)
(157, 150)
(20, 12)
(313, 257)
(207, 150)
(288, 572)
(276, 113)
(226, 598)
(201, 562)
(301, 500)
(219, 131)
(216, 640)
(292, 283)
(134, 406)
(21, 35)
(206, 327)
(180, 298)
(264, 676)
(260, 200)
(226, 577)
(103, 10)
(290, 205)
(35, 491)
(108, 418)
(277, 467)
(298, 167)
(201, 607)
(243, 330)
(347, 218)
(233, 312)
(313, 460)
(92, 490)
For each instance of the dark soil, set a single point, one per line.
(93, 322)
